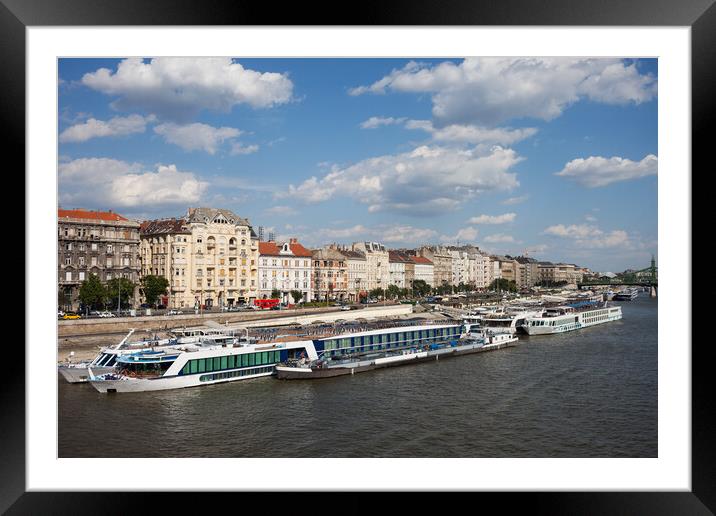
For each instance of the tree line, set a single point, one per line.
(93, 294)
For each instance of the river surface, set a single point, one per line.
(587, 393)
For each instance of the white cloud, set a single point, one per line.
(405, 234)
(491, 90)
(590, 236)
(461, 133)
(515, 200)
(597, 171)
(463, 235)
(376, 121)
(196, 136)
(180, 87)
(239, 149)
(104, 182)
(93, 128)
(499, 238)
(351, 232)
(393, 233)
(281, 210)
(423, 181)
(493, 219)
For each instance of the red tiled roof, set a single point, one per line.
(421, 259)
(87, 214)
(273, 249)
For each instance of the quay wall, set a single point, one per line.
(82, 327)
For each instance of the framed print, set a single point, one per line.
(249, 213)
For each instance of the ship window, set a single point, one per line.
(252, 359)
(264, 357)
(217, 363)
(193, 366)
(202, 365)
(231, 361)
(244, 360)
(224, 362)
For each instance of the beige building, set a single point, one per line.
(285, 266)
(402, 269)
(94, 242)
(209, 257)
(424, 270)
(377, 264)
(330, 275)
(441, 258)
(357, 277)
(560, 272)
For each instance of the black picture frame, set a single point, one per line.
(699, 15)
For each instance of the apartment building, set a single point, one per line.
(209, 257)
(103, 243)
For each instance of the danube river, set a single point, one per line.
(588, 393)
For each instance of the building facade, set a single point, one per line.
(377, 264)
(424, 270)
(330, 275)
(209, 257)
(103, 243)
(357, 276)
(285, 266)
(441, 258)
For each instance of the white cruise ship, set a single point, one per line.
(566, 318)
(207, 362)
(104, 362)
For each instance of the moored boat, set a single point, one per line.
(468, 343)
(561, 319)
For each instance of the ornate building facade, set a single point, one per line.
(103, 243)
(209, 257)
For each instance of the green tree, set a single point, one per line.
(92, 292)
(297, 295)
(421, 288)
(377, 293)
(393, 291)
(275, 294)
(503, 285)
(119, 288)
(152, 287)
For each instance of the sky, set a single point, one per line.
(555, 158)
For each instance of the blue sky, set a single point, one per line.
(554, 157)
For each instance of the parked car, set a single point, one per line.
(346, 307)
(174, 311)
(72, 315)
(106, 314)
(60, 314)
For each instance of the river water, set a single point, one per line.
(588, 393)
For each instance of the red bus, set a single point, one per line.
(266, 303)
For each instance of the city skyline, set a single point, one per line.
(556, 157)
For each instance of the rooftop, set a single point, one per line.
(108, 216)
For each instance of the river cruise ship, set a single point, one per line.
(628, 294)
(560, 319)
(206, 362)
(505, 319)
(106, 359)
(472, 340)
